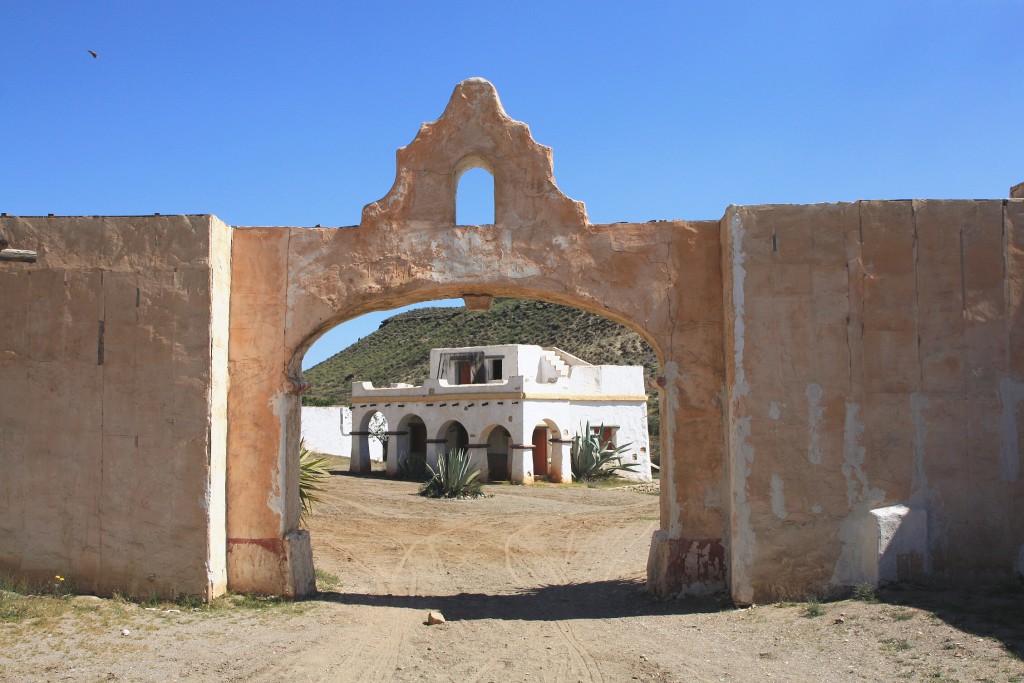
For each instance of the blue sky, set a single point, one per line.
(271, 113)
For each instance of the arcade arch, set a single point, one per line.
(498, 444)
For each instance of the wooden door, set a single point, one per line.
(540, 451)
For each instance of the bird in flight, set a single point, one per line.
(94, 55)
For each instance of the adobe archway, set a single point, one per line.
(289, 285)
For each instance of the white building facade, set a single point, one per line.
(514, 407)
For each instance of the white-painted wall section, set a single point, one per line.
(327, 429)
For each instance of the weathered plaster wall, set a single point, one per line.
(874, 357)
(111, 421)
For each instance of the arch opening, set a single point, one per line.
(522, 321)
(474, 197)
(545, 436)
(499, 454)
(507, 442)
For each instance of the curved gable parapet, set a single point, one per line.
(474, 132)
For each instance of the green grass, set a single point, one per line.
(326, 580)
(901, 614)
(864, 592)
(12, 610)
(896, 644)
(813, 609)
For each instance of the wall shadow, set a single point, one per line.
(592, 600)
(996, 612)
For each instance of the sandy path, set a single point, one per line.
(538, 583)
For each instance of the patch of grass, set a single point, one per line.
(901, 614)
(895, 644)
(10, 583)
(191, 602)
(326, 580)
(12, 609)
(613, 482)
(864, 592)
(154, 600)
(813, 609)
(36, 610)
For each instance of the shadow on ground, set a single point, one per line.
(993, 613)
(373, 474)
(592, 600)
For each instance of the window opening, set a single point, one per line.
(494, 369)
(474, 198)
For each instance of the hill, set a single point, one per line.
(398, 350)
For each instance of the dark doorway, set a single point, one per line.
(540, 451)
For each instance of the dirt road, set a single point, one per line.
(537, 583)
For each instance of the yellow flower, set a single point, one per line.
(59, 577)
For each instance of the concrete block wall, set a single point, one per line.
(873, 359)
(113, 359)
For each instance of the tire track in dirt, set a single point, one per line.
(585, 663)
(625, 544)
(427, 543)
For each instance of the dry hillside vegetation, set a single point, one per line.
(537, 583)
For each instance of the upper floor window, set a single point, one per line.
(494, 369)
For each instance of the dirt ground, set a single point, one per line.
(537, 583)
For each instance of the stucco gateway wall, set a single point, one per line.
(875, 357)
(841, 385)
(113, 357)
(292, 284)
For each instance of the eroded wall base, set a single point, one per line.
(272, 566)
(685, 566)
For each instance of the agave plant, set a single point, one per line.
(412, 467)
(454, 477)
(593, 458)
(312, 473)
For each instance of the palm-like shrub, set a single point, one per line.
(312, 473)
(593, 458)
(454, 477)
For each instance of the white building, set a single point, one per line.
(514, 407)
